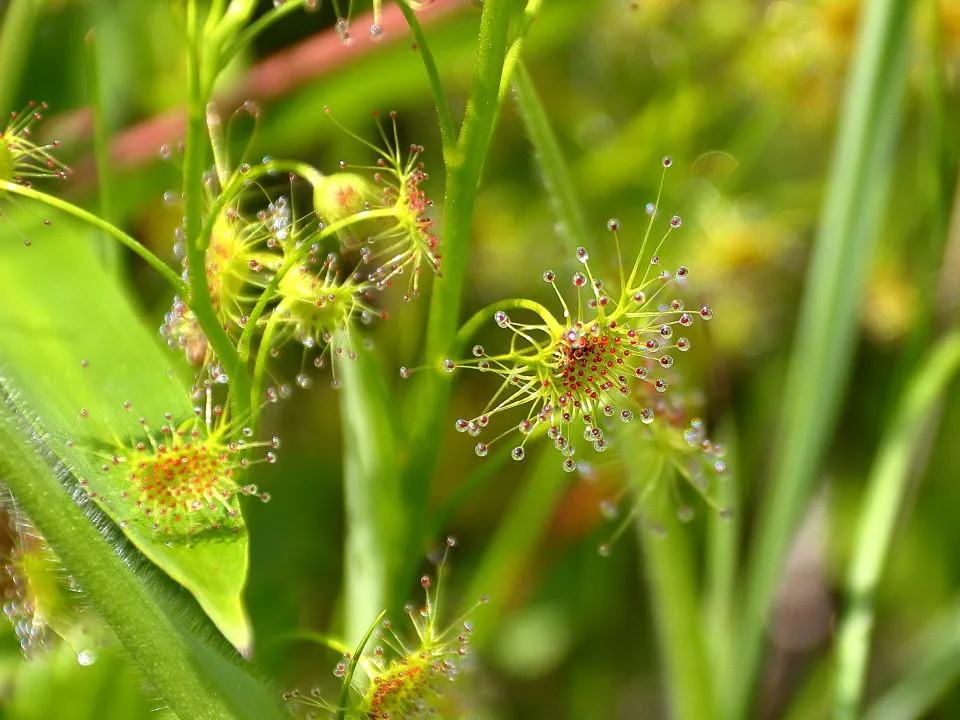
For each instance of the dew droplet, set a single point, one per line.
(582, 255)
(517, 453)
(405, 372)
(609, 509)
(603, 550)
(86, 657)
(675, 221)
(304, 381)
(478, 350)
(376, 31)
(613, 224)
(579, 279)
(706, 313)
(481, 449)
(549, 276)
(646, 416)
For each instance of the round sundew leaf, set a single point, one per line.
(83, 362)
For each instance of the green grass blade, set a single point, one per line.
(934, 671)
(17, 29)
(444, 117)
(886, 489)
(109, 253)
(827, 328)
(553, 167)
(515, 540)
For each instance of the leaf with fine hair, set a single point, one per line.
(82, 362)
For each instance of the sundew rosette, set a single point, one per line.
(177, 480)
(683, 469)
(568, 376)
(22, 160)
(401, 677)
(398, 237)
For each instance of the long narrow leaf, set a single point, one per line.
(885, 493)
(824, 340)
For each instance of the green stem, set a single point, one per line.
(250, 33)
(371, 486)
(886, 489)
(512, 59)
(444, 118)
(722, 548)
(190, 675)
(824, 341)
(355, 661)
(463, 174)
(270, 291)
(673, 591)
(193, 170)
(241, 180)
(484, 316)
(176, 282)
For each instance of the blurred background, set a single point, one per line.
(744, 95)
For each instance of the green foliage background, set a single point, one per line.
(745, 96)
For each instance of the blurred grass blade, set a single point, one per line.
(108, 249)
(511, 548)
(553, 167)
(69, 311)
(886, 488)
(668, 565)
(934, 670)
(17, 30)
(371, 487)
(444, 117)
(827, 327)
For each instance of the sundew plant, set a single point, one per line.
(500, 359)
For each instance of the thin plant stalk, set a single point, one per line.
(101, 149)
(444, 116)
(463, 174)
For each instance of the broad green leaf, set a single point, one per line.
(85, 365)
